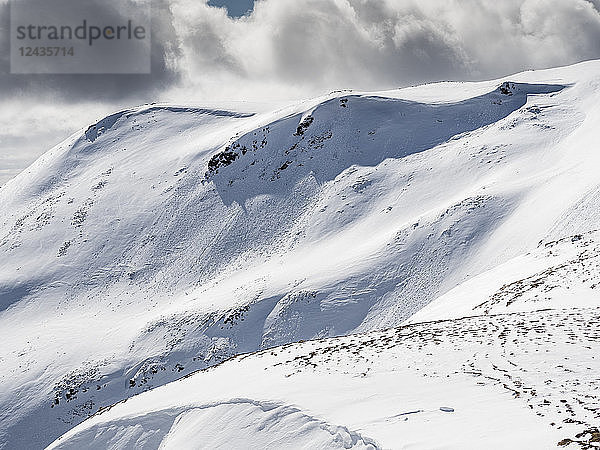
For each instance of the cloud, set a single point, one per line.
(75, 87)
(316, 45)
(310, 46)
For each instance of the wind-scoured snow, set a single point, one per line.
(164, 240)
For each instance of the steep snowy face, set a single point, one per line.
(163, 240)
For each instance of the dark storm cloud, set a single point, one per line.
(74, 87)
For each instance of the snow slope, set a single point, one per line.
(519, 381)
(163, 240)
(557, 274)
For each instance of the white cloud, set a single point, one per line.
(315, 45)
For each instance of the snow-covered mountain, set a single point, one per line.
(163, 240)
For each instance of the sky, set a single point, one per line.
(235, 8)
(215, 52)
